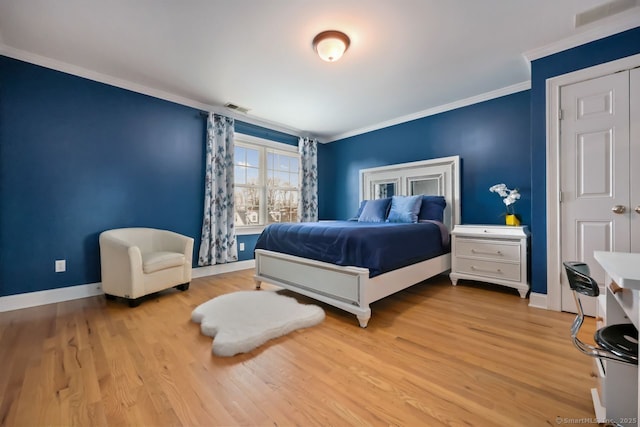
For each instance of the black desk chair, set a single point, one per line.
(615, 342)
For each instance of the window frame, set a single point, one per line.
(262, 145)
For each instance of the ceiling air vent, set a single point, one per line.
(603, 11)
(237, 108)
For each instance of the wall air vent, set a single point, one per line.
(237, 108)
(604, 10)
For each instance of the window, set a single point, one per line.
(266, 182)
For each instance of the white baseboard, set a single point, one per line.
(212, 270)
(538, 300)
(51, 296)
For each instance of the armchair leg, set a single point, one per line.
(183, 287)
(110, 297)
(135, 302)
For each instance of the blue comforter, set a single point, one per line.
(380, 247)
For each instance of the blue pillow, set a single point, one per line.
(404, 209)
(355, 218)
(432, 208)
(375, 210)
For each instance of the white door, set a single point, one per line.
(634, 158)
(594, 174)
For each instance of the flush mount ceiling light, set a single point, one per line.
(330, 45)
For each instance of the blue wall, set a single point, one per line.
(78, 157)
(492, 139)
(608, 49)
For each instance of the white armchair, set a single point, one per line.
(139, 261)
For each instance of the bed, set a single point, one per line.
(354, 285)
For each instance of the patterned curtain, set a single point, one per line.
(218, 242)
(308, 205)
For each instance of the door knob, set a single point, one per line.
(637, 209)
(618, 209)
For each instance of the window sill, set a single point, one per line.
(248, 230)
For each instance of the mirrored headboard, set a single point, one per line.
(440, 177)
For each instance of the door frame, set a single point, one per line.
(553, 85)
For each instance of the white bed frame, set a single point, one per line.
(350, 288)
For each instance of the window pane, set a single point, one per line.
(282, 206)
(274, 162)
(293, 180)
(253, 157)
(239, 175)
(247, 205)
(253, 176)
(270, 157)
(283, 162)
(272, 179)
(240, 155)
(281, 179)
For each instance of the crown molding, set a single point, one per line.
(601, 29)
(518, 87)
(75, 70)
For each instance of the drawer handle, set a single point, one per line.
(497, 270)
(475, 251)
(615, 288)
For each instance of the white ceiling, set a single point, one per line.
(406, 56)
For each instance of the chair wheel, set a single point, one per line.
(183, 287)
(110, 297)
(135, 302)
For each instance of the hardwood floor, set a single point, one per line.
(432, 355)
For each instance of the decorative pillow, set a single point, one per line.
(375, 210)
(404, 209)
(355, 218)
(432, 208)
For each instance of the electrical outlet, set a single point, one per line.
(61, 265)
(242, 246)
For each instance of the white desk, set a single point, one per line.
(620, 384)
(622, 267)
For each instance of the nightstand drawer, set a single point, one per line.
(500, 251)
(493, 269)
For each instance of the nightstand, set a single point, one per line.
(491, 253)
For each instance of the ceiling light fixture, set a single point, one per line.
(331, 45)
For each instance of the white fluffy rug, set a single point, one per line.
(244, 320)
